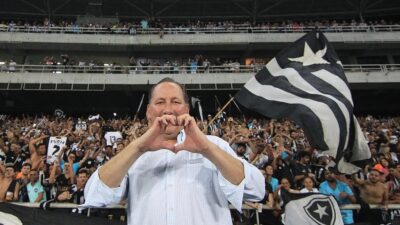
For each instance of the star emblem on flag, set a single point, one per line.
(321, 211)
(310, 58)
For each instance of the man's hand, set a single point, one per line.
(195, 140)
(161, 135)
(343, 195)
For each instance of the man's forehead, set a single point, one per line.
(164, 85)
(167, 89)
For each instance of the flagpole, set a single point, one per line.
(140, 106)
(218, 113)
(234, 102)
(217, 100)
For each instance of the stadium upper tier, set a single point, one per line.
(238, 28)
(191, 41)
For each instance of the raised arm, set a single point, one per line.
(358, 181)
(32, 148)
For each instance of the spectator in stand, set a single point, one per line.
(11, 66)
(283, 165)
(341, 191)
(373, 191)
(302, 168)
(309, 185)
(260, 158)
(23, 180)
(285, 185)
(77, 189)
(62, 182)
(35, 189)
(9, 187)
(193, 66)
(37, 149)
(269, 172)
(17, 156)
(394, 186)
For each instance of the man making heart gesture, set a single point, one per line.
(174, 174)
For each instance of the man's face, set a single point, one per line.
(67, 168)
(374, 176)
(15, 148)
(240, 150)
(120, 147)
(108, 150)
(33, 176)
(71, 157)
(329, 176)
(167, 99)
(294, 135)
(10, 172)
(41, 150)
(82, 178)
(305, 159)
(25, 170)
(396, 172)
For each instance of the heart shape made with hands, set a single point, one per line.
(164, 132)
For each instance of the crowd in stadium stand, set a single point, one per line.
(51, 158)
(144, 25)
(196, 64)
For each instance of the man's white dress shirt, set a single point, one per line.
(164, 188)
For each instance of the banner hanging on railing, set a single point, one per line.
(18, 215)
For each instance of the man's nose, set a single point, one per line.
(168, 109)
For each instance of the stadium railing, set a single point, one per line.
(114, 69)
(135, 30)
(244, 207)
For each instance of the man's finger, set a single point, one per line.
(178, 148)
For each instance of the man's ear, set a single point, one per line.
(147, 113)
(187, 108)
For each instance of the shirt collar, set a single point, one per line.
(181, 137)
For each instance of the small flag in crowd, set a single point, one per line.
(306, 83)
(59, 113)
(94, 117)
(18, 215)
(311, 209)
(195, 102)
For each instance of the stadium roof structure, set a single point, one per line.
(251, 10)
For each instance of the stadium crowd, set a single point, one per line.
(135, 65)
(145, 26)
(51, 158)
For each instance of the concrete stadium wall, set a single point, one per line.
(145, 79)
(190, 39)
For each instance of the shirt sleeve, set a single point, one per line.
(98, 194)
(252, 187)
(323, 190)
(40, 188)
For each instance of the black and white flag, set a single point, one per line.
(11, 214)
(306, 83)
(312, 209)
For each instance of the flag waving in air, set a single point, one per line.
(306, 83)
